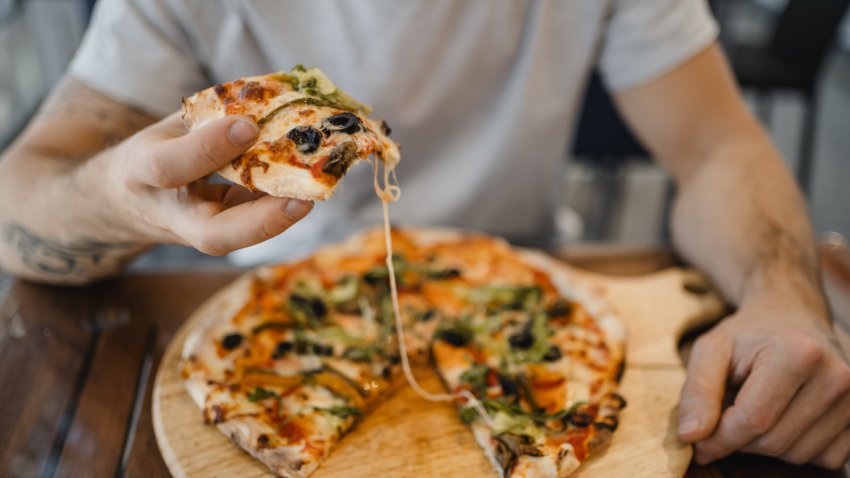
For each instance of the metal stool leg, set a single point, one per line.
(805, 160)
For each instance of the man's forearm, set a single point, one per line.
(740, 217)
(55, 226)
(57, 222)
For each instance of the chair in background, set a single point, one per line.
(791, 60)
(605, 144)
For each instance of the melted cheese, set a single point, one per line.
(386, 193)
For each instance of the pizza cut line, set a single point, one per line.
(531, 357)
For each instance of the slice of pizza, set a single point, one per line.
(297, 354)
(311, 132)
(541, 355)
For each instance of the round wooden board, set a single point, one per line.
(408, 436)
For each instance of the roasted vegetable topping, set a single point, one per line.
(271, 325)
(497, 297)
(365, 353)
(231, 341)
(618, 400)
(261, 393)
(429, 314)
(609, 423)
(553, 354)
(307, 310)
(560, 308)
(520, 445)
(306, 138)
(476, 378)
(341, 411)
(340, 159)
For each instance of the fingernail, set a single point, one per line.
(242, 132)
(688, 424)
(296, 209)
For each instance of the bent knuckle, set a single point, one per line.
(831, 462)
(796, 457)
(158, 171)
(695, 389)
(758, 421)
(772, 445)
(712, 448)
(707, 342)
(263, 232)
(841, 379)
(806, 354)
(209, 244)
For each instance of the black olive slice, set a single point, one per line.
(522, 340)
(509, 386)
(343, 122)
(282, 349)
(454, 338)
(552, 354)
(579, 419)
(231, 341)
(306, 138)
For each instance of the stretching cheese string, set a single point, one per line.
(391, 192)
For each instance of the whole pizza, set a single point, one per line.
(300, 352)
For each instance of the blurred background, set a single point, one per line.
(791, 57)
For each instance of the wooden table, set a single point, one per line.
(77, 366)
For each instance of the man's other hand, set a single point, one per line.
(792, 381)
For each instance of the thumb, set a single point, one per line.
(178, 161)
(702, 394)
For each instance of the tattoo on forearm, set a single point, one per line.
(45, 256)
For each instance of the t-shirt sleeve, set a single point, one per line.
(136, 52)
(647, 38)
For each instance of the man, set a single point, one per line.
(481, 95)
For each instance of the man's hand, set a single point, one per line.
(158, 175)
(793, 387)
(740, 217)
(77, 206)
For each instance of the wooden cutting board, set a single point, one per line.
(408, 436)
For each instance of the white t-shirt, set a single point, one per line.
(481, 94)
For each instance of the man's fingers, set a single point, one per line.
(837, 454)
(819, 412)
(775, 377)
(702, 393)
(821, 434)
(237, 195)
(247, 224)
(178, 161)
